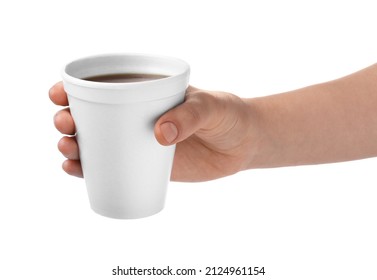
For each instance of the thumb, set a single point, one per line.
(184, 120)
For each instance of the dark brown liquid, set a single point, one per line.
(124, 78)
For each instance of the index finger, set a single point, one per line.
(58, 95)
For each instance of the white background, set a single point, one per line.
(313, 222)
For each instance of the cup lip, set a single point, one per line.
(102, 85)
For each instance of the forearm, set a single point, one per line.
(329, 122)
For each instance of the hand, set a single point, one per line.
(212, 131)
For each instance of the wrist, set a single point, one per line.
(260, 145)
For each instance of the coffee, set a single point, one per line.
(124, 78)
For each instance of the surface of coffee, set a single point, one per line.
(124, 78)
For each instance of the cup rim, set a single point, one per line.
(109, 85)
(177, 70)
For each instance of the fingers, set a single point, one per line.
(58, 95)
(73, 167)
(69, 148)
(64, 122)
(184, 120)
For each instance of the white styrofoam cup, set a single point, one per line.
(125, 169)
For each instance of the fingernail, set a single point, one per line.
(169, 131)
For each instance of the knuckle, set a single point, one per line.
(201, 105)
(194, 113)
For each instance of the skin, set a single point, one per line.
(219, 134)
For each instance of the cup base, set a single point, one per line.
(126, 216)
